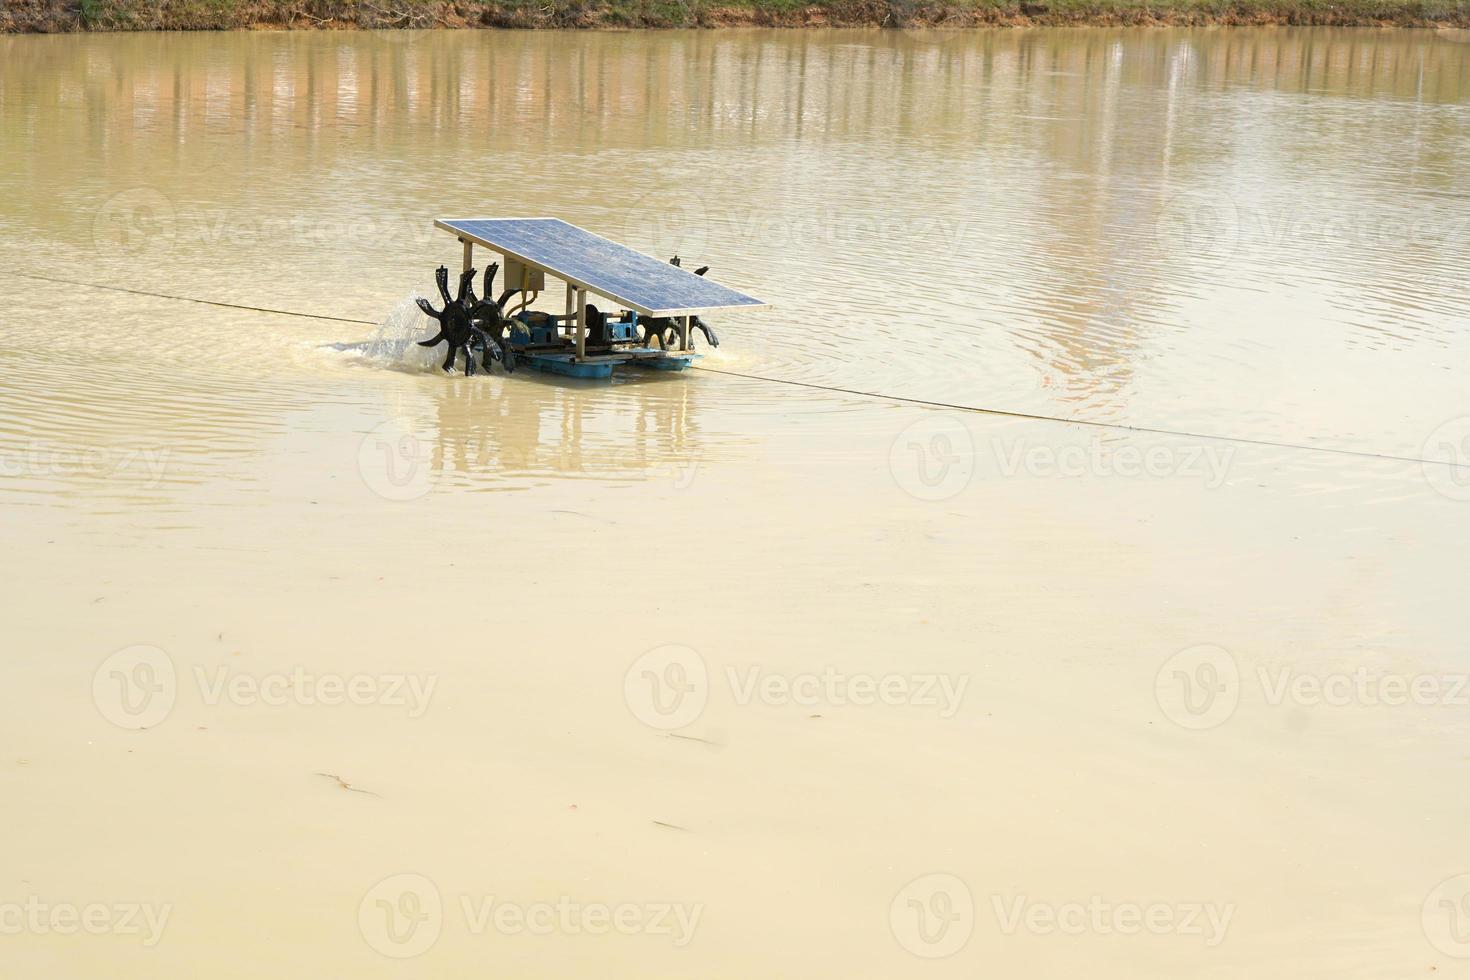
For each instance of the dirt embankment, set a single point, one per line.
(53, 16)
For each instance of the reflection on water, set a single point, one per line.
(176, 422)
(1133, 225)
(513, 435)
(503, 431)
(314, 94)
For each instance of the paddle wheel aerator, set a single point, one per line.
(659, 302)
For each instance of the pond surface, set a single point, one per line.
(1145, 226)
(1098, 646)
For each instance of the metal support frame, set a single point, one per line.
(576, 307)
(581, 324)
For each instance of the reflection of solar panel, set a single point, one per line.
(589, 261)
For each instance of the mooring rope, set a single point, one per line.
(876, 395)
(1009, 413)
(185, 299)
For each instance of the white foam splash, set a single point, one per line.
(396, 343)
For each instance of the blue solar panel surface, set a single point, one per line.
(638, 281)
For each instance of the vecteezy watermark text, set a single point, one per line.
(404, 915)
(36, 917)
(1099, 916)
(669, 686)
(936, 457)
(935, 915)
(145, 221)
(223, 685)
(1362, 687)
(145, 464)
(1210, 464)
(1214, 226)
(677, 221)
(1201, 686)
(835, 688)
(137, 688)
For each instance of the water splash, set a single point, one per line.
(396, 342)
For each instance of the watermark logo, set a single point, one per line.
(396, 461)
(134, 223)
(673, 222)
(1446, 455)
(933, 458)
(679, 473)
(135, 688)
(1198, 687)
(667, 687)
(1446, 916)
(401, 916)
(1203, 227)
(933, 916)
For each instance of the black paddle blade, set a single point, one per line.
(486, 311)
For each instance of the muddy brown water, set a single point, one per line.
(320, 663)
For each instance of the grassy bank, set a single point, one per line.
(147, 15)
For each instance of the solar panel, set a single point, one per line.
(637, 281)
